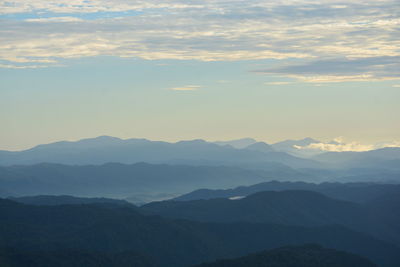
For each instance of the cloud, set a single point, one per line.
(338, 145)
(396, 85)
(278, 83)
(55, 19)
(353, 146)
(315, 34)
(186, 88)
(342, 70)
(10, 66)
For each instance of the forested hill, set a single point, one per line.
(109, 229)
(301, 256)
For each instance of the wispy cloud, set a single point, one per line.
(342, 70)
(186, 88)
(55, 19)
(320, 34)
(278, 83)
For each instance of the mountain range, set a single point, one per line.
(302, 208)
(105, 149)
(354, 192)
(291, 256)
(107, 229)
(249, 154)
(127, 180)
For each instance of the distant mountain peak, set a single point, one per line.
(237, 143)
(260, 146)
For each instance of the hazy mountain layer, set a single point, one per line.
(357, 192)
(121, 181)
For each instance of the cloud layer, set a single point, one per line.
(329, 40)
(338, 145)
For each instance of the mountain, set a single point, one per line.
(98, 228)
(386, 208)
(355, 192)
(260, 146)
(106, 149)
(141, 181)
(117, 180)
(11, 257)
(302, 208)
(292, 256)
(388, 157)
(66, 200)
(238, 143)
(288, 146)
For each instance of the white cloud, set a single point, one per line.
(186, 88)
(338, 145)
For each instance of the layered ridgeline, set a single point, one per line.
(125, 180)
(143, 182)
(117, 234)
(303, 208)
(356, 192)
(384, 158)
(106, 149)
(290, 256)
(48, 200)
(245, 153)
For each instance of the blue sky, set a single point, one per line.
(171, 70)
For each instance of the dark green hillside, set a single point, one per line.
(65, 200)
(286, 207)
(302, 256)
(71, 258)
(117, 229)
(302, 208)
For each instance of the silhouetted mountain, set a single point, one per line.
(106, 149)
(100, 228)
(260, 146)
(238, 143)
(304, 208)
(291, 256)
(116, 180)
(356, 192)
(388, 157)
(66, 200)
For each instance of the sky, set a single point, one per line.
(211, 69)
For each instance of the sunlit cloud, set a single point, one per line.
(339, 145)
(10, 66)
(186, 88)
